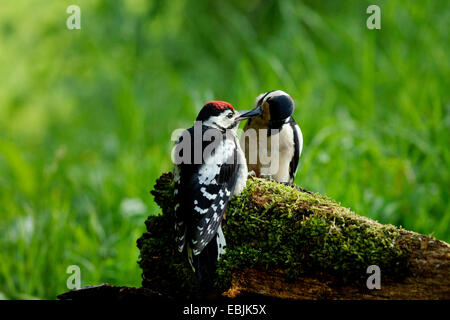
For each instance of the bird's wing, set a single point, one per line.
(217, 184)
(183, 151)
(298, 146)
(202, 194)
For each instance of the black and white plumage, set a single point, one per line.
(204, 185)
(273, 110)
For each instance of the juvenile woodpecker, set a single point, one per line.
(205, 179)
(273, 111)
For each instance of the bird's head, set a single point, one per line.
(220, 115)
(273, 106)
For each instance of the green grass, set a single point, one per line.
(86, 116)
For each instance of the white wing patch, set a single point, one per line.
(200, 210)
(189, 252)
(207, 195)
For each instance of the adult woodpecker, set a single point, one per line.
(210, 172)
(273, 111)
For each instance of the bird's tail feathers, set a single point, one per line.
(205, 264)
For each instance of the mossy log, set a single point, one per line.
(286, 242)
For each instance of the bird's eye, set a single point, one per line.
(230, 115)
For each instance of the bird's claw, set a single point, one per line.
(267, 177)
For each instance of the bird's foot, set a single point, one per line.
(267, 177)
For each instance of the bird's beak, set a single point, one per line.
(249, 114)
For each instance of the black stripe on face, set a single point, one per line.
(262, 98)
(294, 161)
(234, 125)
(220, 127)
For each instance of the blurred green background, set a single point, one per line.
(86, 116)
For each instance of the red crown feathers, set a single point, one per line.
(220, 105)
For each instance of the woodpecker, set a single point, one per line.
(273, 110)
(203, 185)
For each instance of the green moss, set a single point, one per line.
(274, 226)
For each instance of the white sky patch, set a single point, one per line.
(23, 228)
(132, 207)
